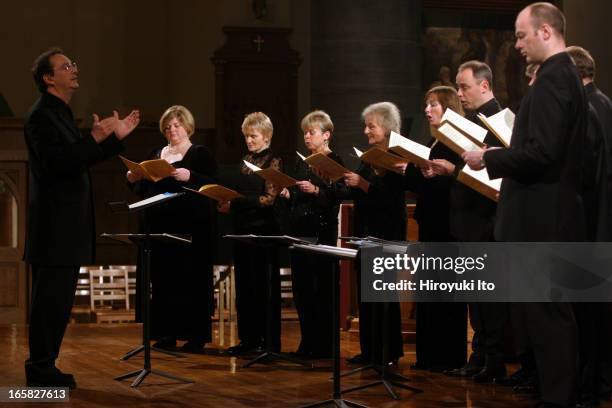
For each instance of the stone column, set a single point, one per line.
(365, 52)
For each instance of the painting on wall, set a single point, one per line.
(446, 48)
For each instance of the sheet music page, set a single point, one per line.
(483, 177)
(458, 138)
(251, 166)
(151, 200)
(470, 128)
(501, 124)
(397, 140)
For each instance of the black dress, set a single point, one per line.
(316, 217)
(255, 214)
(441, 327)
(381, 213)
(181, 275)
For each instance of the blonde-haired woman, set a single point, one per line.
(254, 214)
(181, 275)
(314, 204)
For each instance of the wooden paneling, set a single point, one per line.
(13, 272)
(9, 284)
(256, 70)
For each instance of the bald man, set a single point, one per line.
(540, 197)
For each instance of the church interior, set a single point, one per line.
(222, 60)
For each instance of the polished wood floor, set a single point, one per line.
(91, 351)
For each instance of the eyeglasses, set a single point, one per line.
(69, 66)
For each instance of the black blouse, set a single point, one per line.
(254, 213)
(184, 214)
(432, 208)
(316, 215)
(381, 212)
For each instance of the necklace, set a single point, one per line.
(173, 153)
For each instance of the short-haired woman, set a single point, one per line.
(379, 211)
(181, 275)
(314, 204)
(254, 214)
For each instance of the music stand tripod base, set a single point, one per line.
(278, 356)
(338, 402)
(336, 399)
(142, 374)
(145, 241)
(266, 243)
(140, 349)
(387, 379)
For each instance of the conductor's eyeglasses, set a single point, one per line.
(69, 66)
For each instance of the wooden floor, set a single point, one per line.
(91, 351)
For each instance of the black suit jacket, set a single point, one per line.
(60, 222)
(472, 215)
(540, 196)
(598, 166)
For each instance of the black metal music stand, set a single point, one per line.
(387, 378)
(144, 241)
(336, 254)
(267, 243)
(122, 206)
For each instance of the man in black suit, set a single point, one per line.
(594, 319)
(599, 157)
(540, 197)
(472, 217)
(60, 231)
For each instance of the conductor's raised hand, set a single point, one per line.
(101, 129)
(126, 125)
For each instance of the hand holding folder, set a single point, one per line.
(216, 192)
(279, 179)
(151, 170)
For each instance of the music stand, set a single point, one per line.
(144, 242)
(387, 378)
(336, 254)
(267, 243)
(122, 206)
